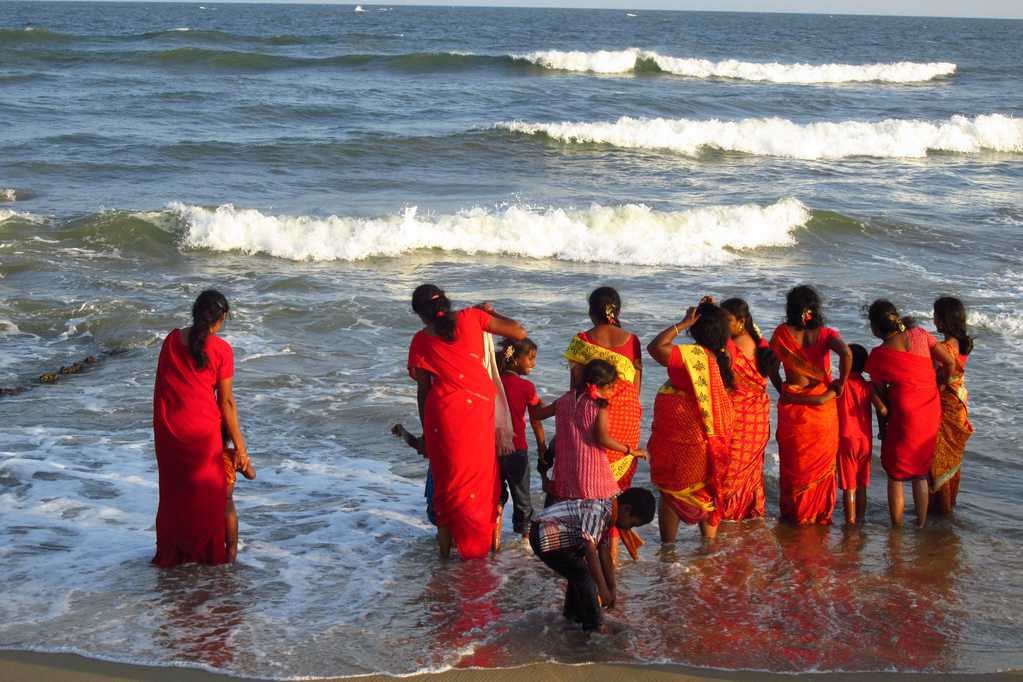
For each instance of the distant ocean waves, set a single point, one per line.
(890, 138)
(634, 60)
(185, 47)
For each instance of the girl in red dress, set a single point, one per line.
(192, 398)
(456, 407)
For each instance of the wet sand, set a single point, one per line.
(23, 666)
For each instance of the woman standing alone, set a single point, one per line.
(456, 407)
(192, 399)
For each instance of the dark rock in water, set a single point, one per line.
(72, 369)
(11, 391)
(91, 360)
(48, 378)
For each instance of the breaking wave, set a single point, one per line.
(634, 60)
(627, 234)
(890, 138)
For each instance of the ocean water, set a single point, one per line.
(317, 163)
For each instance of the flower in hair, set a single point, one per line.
(593, 391)
(807, 315)
(508, 352)
(610, 313)
(435, 297)
(440, 313)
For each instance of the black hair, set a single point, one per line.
(600, 374)
(711, 331)
(208, 309)
(950, 318)
(767, 361)
(641, 502)
(434, 308)
(803, 299)
(606, 306)
(885, 319)
(859, 357)
(511, 349)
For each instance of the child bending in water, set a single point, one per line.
(516, 359)
(581, 468)
(855, 437)
(232, 465)
(572, 538)
(418, 444)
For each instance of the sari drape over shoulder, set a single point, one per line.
(624, 412)
(955, 430)
(914, 410)
(689, 440)
(807, 437)
(459, 431)
(742, 484)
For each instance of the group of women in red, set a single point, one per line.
(710, 429)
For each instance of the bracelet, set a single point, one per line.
(677, 332)
(628, 449)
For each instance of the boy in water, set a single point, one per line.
(418, 444)
(572, 538)
(231, 468)
(856, 436)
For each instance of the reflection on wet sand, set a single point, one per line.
(202, 611)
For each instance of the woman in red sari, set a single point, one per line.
(902, 369)
(742, 484)
(693, 420)
(193, 396)
(807, 412)
(456, 407)
(607, 341)
(956, 429)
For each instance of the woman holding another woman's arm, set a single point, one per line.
(456, 407)
(902, 369)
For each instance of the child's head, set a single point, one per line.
(516, 356)
(605, 306)
(950, 320)
(803, 308)
(636, 507)
(859, 354)
(712, 331)
(599, 373)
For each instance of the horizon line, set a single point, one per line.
(499, 5)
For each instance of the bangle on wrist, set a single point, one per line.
(677, 332)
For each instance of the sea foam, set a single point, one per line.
(890, 138)
(628, 234)
(634, 59)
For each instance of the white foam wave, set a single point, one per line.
(8, 194)
(628, 234)
(7, 214)
(890, 138)
(633, 59)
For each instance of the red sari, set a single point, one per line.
(189, 453)
(459, 429)
(689, 439)
(807, 434)
(742, 485)
(914, 407)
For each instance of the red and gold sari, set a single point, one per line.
(624, 412)
(742, 484)
(955, 430)
(689, 439)
(807, 439)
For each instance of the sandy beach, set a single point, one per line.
(21, 666)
